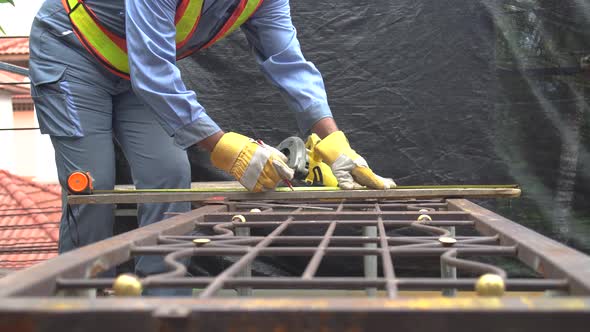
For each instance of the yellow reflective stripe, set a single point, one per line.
(98, 40)
(249, 10)
(187, 22)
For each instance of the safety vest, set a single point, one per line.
(111, 49)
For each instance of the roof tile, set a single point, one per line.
(14, 45)
(8, 77)
(29, 221)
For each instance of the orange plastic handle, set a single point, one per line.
(80, 183)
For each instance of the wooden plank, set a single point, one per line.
(195, 185)
(304, 193)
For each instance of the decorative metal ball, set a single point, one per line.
(424, 217)
(127, 285)
(447, 241)
(238, 218)
(490, 285)
(201, 242)
(256, 210)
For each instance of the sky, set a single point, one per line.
(16, 21)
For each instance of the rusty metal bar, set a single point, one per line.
(548, 257)
(423, 284)
(316, 259)
(76, 272)
(404, 217)
(247, 271)
(39, 280)
(387, 262)
(217, 283)
(167, 314)
(335, 251)
(450, 258)
(386, 223)
(350, 240)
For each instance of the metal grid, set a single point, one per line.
(224, 230)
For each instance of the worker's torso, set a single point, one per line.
(111, 14)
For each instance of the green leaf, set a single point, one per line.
(10, 2)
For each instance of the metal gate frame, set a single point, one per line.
(28, 301)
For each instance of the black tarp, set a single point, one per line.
(436, 92)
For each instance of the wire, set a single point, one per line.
(38, 249)
(14, 83)
(22, 261)
(11, 227)
(39, 208)
(34, 192)
(24, 244)
(53, 246)
(15, 129)
(28, 213)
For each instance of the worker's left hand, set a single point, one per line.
(257, 166)
(350, 169)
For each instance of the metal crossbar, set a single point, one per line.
(457, 234)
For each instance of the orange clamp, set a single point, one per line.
(80, 182)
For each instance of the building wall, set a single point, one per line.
(6, 137)
(46, 171)
(25, 152)
(25, 155)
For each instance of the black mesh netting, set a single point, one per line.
(437, 92)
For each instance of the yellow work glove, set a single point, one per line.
(350, 169)
(257, 166)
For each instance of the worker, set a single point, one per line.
(107, 68)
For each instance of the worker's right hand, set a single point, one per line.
(349, 168)
(257, 166)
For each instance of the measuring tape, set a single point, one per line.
(80, 183)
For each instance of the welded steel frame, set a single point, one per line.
(27, 298)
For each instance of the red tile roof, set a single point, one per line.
(8, 77)
(14, 45)
(29, 221)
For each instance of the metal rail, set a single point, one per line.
(415, 229)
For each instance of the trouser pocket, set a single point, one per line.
(49, 90)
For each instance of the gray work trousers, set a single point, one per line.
(83, 107)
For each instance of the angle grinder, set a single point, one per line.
(308, 165)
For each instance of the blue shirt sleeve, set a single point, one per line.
(273, 40)
(155, 78)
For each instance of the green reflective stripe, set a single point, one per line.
(249, 10)
(187, 22)
(98, 40)
(100, 43)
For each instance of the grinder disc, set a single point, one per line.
(294, 148)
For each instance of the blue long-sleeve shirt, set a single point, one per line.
(150, 34)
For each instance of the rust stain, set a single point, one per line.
(279, 329)
(21, 325)
(284, 303)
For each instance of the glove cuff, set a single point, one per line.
(228, 149)
(333, 146)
